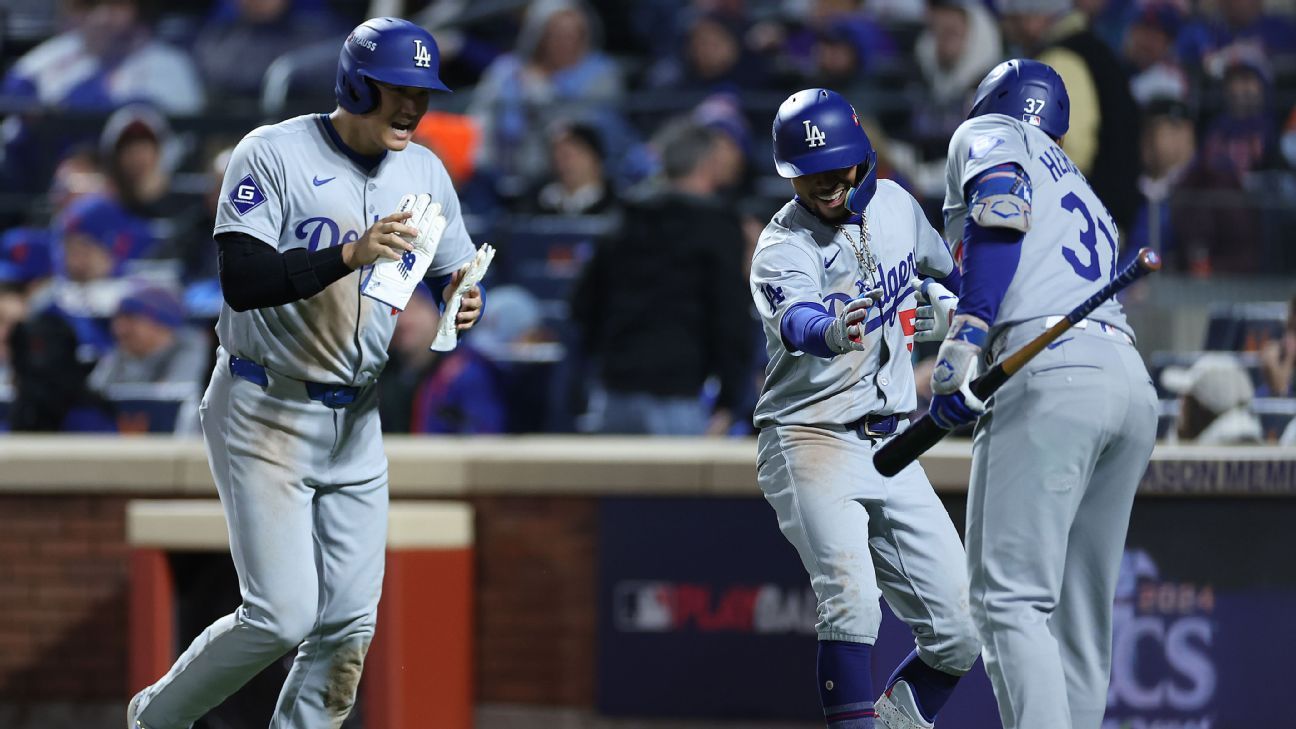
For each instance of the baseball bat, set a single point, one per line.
(904, 448)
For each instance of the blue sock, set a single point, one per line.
(932, 688)
(845, 684)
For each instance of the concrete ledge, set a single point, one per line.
(198, 525)
(441, 467)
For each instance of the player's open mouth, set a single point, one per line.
(402, 128)
(832, 199)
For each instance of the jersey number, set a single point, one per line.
(1091, 271)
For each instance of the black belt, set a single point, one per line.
(873, 426)
(333, 396)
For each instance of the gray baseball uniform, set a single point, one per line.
(303, 484)
(860, 535)
(1057, 460)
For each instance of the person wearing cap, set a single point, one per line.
(152, 345)
(1192, 212)
(1103, 135)
(133, 147)
(1215, 396)
(579, 185)
(96, 237)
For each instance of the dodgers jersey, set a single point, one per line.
(291, 185)
(801, 258)
(1071, 248)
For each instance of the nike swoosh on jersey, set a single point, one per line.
(1060, 342)
(828, 262)
(319, 182)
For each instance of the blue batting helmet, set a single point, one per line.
(1027, 90)
(389, 50)
(816, 130)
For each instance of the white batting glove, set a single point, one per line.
(953, 403)
(393, 282)
(447, 337)
(846, 333)
(937, 307)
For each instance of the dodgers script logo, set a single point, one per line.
(321, 232)
(896, 288)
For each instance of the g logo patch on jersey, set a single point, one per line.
(246, 196)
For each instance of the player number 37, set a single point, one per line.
(1034, 106)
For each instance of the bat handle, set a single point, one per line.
(921, 436)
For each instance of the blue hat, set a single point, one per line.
(154, 303)
(104, 221)
(24, 255)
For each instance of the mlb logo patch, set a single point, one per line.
(246, 195)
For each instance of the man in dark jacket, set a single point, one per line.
(662, 305)
(1104, 134)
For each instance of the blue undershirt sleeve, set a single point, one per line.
(803, 327)
(990, 258)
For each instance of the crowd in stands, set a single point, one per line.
(616, 155)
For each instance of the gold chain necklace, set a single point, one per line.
(868, 263)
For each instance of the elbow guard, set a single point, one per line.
(1001, 198)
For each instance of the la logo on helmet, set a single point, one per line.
(422, 56)
(814, 137)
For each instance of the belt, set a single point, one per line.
(1101, 327)
(872, 426)
(333, 396)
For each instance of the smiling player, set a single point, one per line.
(290, 418)
(832, 277)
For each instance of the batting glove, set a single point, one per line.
(937, 308)
(954, 404)
(846, 333)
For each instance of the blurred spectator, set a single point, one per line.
(1244, 137)
(152, 346)
(107, 58)
(134, 145)
(1278, 358)
(78, 174)
(958, 46)
(825, 35)
(1215, 402)
(711, 57)
(193, 243)
(236, 46)
(1149, 50)
(579, 185)
(49, 377)
(94, 239)
(1197, 215)
(556, 64)
(683, 316)
(1237, 26)
(1288, 143)
(437, 392)
(13, 309)
(25, 256)
(733, 144)
(1103, 136)
(1109, 19)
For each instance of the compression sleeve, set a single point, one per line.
(255, 276)
(990, 258)
(803, 328)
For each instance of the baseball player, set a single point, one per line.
(290, 417)
(832, 278)
(1056, 463)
